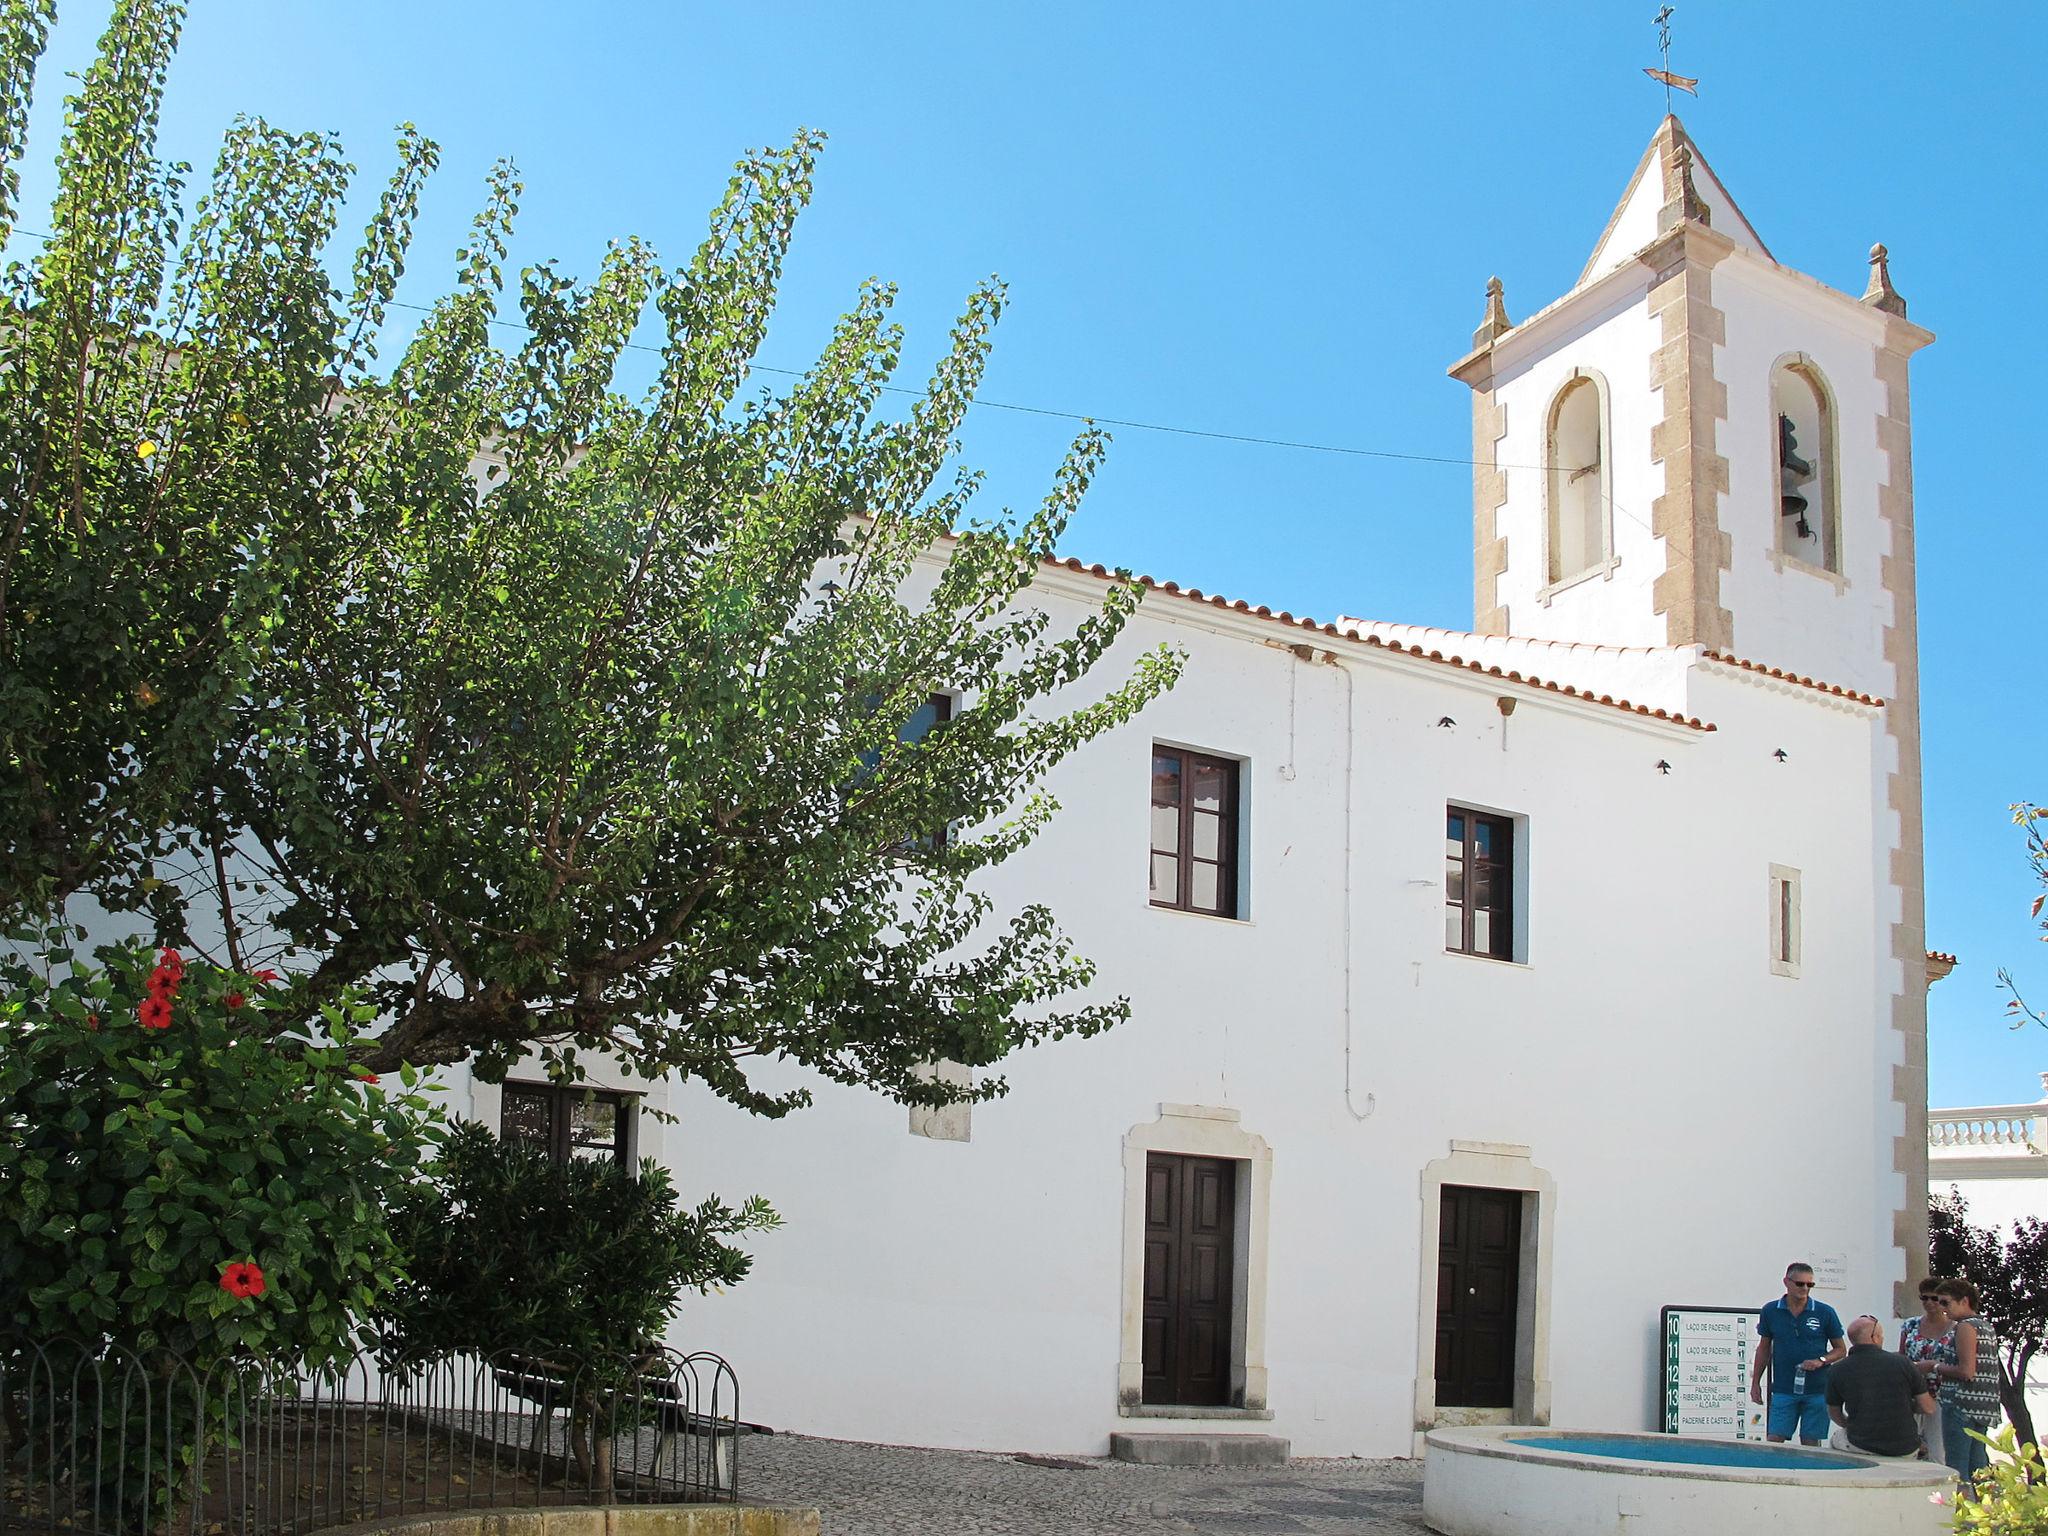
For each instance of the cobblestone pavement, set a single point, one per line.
(885, 1490)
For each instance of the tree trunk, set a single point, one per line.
(2012, 1393)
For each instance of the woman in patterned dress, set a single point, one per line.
(1929, 1340)
(1969, 1388)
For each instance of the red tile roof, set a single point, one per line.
(1793, 677)
(1196, 595)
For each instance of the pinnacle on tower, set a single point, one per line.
(1881, 294)
(1496, 322)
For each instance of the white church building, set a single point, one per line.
(1490, 990)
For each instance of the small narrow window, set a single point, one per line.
(1194, 832)
(566, 1120)
(1479, 884)
(1784, 918)
(1808, 530)
(1577, 459)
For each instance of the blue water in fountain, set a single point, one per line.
(1695, 1453)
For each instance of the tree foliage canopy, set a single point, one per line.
(556, 717)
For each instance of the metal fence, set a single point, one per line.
(105, 1440)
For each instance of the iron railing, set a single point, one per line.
(97, 1439)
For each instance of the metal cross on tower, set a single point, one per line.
(1685, 83)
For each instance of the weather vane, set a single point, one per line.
(1685, 83)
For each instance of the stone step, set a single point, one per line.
(1200, 1450)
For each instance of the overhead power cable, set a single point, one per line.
(1295, 445)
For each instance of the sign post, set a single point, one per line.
(1706, 1353)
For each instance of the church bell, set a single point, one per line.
(1792, 471)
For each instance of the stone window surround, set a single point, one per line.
(1199, 1130)
(1782, 943)
(1608, 560)
(1490, 1165)
(1827, 471)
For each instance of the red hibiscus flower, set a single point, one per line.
(92, 1022)
(368, 1077)
(266, 976)
(172, 962)
(155, 1013)
(234, 999)
(242, 1279)
(163, 984)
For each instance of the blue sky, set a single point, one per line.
(1278, 221)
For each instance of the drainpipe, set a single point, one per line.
(1309, 653)
(1331, 658)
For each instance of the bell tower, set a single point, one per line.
(1698, 446)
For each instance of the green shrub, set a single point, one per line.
(511, 1250)
(2009, 1499)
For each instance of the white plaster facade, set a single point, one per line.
(1625, 1072)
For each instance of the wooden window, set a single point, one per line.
(1479, 884)
(1194, 832)
(565, 1120)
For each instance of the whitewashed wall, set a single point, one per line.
(968, 1294)
(1792, 616)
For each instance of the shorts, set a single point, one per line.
(1808, 1411)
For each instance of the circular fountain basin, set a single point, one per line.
(1522, 1480)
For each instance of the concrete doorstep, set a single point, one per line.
(1200, 1450)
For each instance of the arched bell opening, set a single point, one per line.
(1808, 525)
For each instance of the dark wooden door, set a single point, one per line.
(1478, 1275)
(1190, 1219)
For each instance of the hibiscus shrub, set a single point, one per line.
(176, 1178)
(185, 1191)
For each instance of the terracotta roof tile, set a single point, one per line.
(1442, 658)
(1792, 677)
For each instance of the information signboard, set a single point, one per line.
(1707, 1352)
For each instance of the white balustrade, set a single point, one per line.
(2017, 1126)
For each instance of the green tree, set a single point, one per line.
(2011, 1276)
(555, 718)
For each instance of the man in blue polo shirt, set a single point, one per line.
(1801, 1338)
